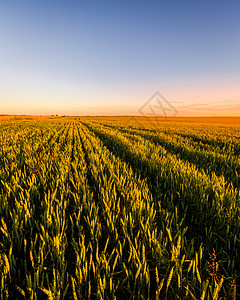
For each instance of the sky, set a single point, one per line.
(110, 57)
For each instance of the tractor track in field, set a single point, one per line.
(205, 161)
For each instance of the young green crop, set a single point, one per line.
(103, 208)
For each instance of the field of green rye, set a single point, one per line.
(119, 208)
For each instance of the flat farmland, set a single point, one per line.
(119, 208)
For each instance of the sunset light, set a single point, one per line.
(109, 58)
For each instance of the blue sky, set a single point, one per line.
(106, 57)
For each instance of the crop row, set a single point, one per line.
(92, 209)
